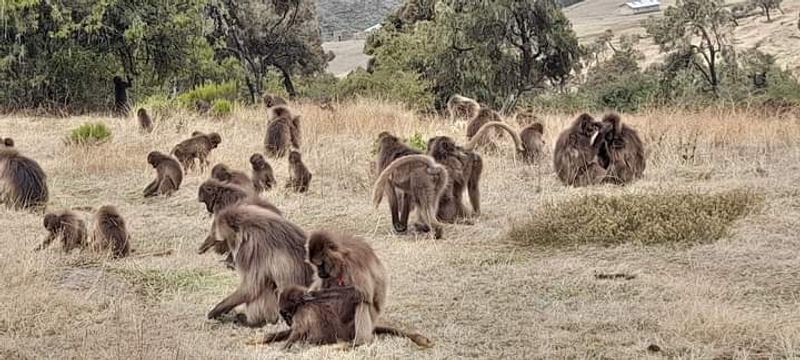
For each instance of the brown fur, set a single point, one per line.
(273, 100)
(299, 176)
(574, 157)
(484, 116)
(283, 130)
(263, 177)
(196, 147)
(462, 108)
(110, 234)
(23, 183)
(479, 137)
(224, 174)
(532, 137)
(66, 225)
(168, 175)
(464, 168)
(7, 142)
(145, 122)
(269, 254)
(391, 148)
(421, 181)
(620, 151)
(202, 106)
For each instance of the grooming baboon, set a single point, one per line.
(484, 116)
(224, 174)
(199, 147)
(23, 183)
(421, 183)
(299, 176)
(263, 177)
(532, 137)
(7, 142)
(464, 168)
(391, 148)
(268, 252)
(68, 226)
(168, 175)
(273, 100)
(479, 138)
(575, 158)
(620, 151)
(283, 131)
(145, 122)
(462, 108)
(110, 233)
(121, 95)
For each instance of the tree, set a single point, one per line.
(768, 5)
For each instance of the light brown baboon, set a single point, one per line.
(263, 177)
(145, 122)
(168, 175)
(7, 142)
(273, 100)
(269, 253)
(391, 148)
(198, 146)
(479, 137)
(532, 137)
(484, 116)
(23, 183)
(66, 225)
(620, 151)
(464, 168)
(462, 108)
(224, 174)
(422, 181)
(299, 176)
(283, 131)
(110, 233)
(575, 158)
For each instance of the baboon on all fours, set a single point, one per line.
(263, 176)
(391, 148)
(145, 122)
(110, 233)
(168, 175)
(273, 100)
(462, 108)
(299, 176)
(464, 168)
(575, 158)
(269, 253)
(532, 137)
(23, 183)
(196, 147)
(484, 116)
(66, 225)
(283, 131)
(421, 182)
(7, 142)
(224, 174)
(620, 151)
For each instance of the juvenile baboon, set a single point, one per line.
(620, 151)
(391, 148)
(121, 95)
(66, 225)
(168, 175)
(263, 177)
(7, 142)
(421, 183)
(299, 176)
(532, 137)
(198, 146)
(202, 106)
(479, 137)
(224, 174)
(484, 116)
(110, 233)
(464, 168)
(145, 122)
(268, 252)
(575, 158)
(283, 130)
(462, 108)
(273, 100)
(23, 183)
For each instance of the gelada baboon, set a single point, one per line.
(575, 158)
(23, 183)
(273, 100)
(7, 142)
(66, 225)
(121, 95)
(464, 168)
(480, 136)
(532, 137)
(620, 151)
(283, 131)
(145, 122)
(263, 177)
(196, 147)
(110, 233)
(391, 148)
(202, 106)
(168, 175)
(462, 108)
(299, 176)
(224, 174)
(269, 253)
(421, 183)
(484, 116)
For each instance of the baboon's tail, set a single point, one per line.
(383, 178)
(418, 339)
(485, 128)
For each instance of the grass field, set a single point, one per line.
(475, 293)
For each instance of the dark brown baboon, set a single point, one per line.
(283, 131)
(66, 225)
(23, 183)
(269, 253)
(575, 158)
(532, 137)
(421, 182)
(7, 142)
(464, 168)
(484, 116)
(202, 106)
(168, 175)
(121, 95)
(462, 108)
(391, 148)
(224, 174)
(620, 151)
(145, 122)
(299, 176)
(479, 137)
(198, 147)
(110, 233)
(263, 177)
(273, 100)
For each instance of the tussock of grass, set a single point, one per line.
(152, 284)
(90, 133)
(646, 219)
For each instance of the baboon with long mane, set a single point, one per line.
(66, 225)
(283, 131)
(168, 175)
(464, 168)
(196, 147)
(23, 183)
(620, 151)
(575, 157)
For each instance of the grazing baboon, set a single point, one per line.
(299, 176)
(168, 175)
(263, 177)
(391, 148)
(121, 95)
(23, 183)
(283, 130)
(479, 137)
(462, 108)
(421, 182)
(532, 137)
(464, 168)
(145, 122)
(224, 174)
(484, 116)
(110, 234)
(68, 226)
(198, 146)
(575, 158)
(269, 253)
(7, 142)
(620, 151)
(273, 100)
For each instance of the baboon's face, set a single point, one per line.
(220, 172)
(290, 300)
(154, 158)
(51, 222)
(215, 139)
(207, 195)
(327, 263)
(257, 161)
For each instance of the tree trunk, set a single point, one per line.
(287, 83)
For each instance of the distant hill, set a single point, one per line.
(351, 16)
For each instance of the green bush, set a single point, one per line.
(628, 93)
(209, 92)
(645, 219)
(417, 141)
(398, 86)
(90, 134)
(221, 108)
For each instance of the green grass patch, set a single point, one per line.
(154, 284)
(90, 134)
(646, 219)
(221, 108)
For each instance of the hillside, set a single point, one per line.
(351, 16)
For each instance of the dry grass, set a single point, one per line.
(474, 294)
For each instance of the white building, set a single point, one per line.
(642, 6)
